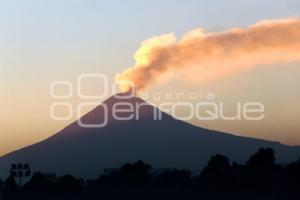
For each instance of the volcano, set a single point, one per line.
(165, 143)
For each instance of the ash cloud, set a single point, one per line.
(202, 56)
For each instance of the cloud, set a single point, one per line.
(202, 56)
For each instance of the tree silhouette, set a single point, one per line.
(39, 184)
(68, 184)
(135, 173)
(1, 186)
(10, 188)
(175, 177)
(260, 172)
(259, 178)
(264, 158)
(217, 173)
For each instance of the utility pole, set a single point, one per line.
(20, 170)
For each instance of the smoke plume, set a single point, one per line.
(201, 56)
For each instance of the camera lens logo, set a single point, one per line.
(62, 101)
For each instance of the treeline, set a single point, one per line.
(259, 178)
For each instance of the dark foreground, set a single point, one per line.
(259, 178)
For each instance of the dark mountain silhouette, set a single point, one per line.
(166, 143)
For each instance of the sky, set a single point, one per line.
(46, 41)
